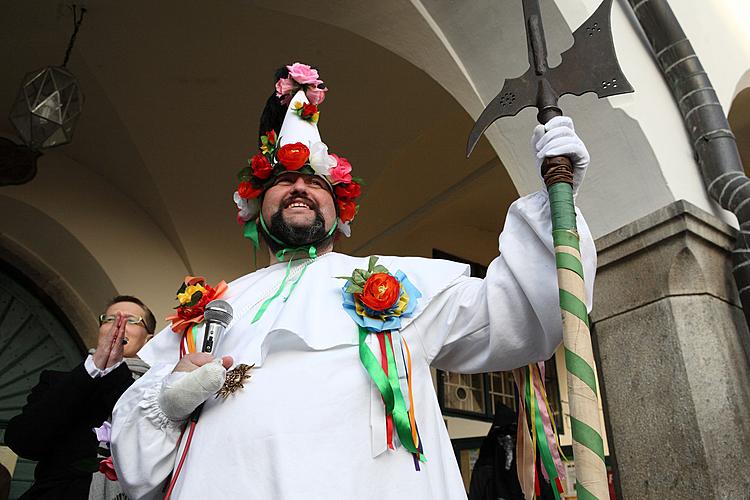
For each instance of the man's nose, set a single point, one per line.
(299, 185)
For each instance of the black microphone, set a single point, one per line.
(217, 314)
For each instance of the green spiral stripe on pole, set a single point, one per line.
(570, 262)
(588, 436)
(588, 446)
(578, 367)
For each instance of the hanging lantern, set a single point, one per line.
(49, 103)
(47, 108)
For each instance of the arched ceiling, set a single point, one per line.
(173, 93)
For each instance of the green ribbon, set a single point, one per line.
(312, 253)
(250, 231)
(541, 438)
(389, 388)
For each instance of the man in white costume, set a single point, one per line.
(311, 422)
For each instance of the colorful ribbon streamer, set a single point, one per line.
(390, 388)
(536, 433)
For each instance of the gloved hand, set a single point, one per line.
(196, 377)
(558, 138)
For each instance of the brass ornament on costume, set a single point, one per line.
(236, 378)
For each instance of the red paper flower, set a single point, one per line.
(271, 136)
(247, 191)
(381, 292)
(261, 167)
(193, 295)
(347, 210)
(348, 191)
(308, 110)
(293, 156)
(107, 468)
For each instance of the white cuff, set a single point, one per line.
(95, 372)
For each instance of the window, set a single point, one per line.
(476, 396)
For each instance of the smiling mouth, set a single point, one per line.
(298, 204)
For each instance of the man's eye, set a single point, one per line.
(318, 183)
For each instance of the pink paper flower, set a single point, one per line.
(285, 86)
(341, 172)
(107, 468)
(316, 95)
(303, 74)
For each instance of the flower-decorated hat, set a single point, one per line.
(297, 147)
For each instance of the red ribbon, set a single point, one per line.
(384, 363)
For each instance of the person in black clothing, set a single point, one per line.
(56, 425)
(494, 475)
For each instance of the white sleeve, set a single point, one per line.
(96, 372)
(512, 317)
(144, 440)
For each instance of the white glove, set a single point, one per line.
(558, 138)
(182, 392)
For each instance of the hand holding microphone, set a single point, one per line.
(198, 375)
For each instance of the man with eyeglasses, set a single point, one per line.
(56, 426)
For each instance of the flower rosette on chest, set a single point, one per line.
(376, 299)
(192, 297)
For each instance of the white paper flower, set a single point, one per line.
(248, 209)
(344, 228)
(320, 160)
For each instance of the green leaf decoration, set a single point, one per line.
(264, 140)
(352, 288)
(380, 269)
(360, 277)
(195, 299)
(182, 288)
(371, 263)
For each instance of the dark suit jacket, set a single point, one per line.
(55, 428)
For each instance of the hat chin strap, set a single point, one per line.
(311, 250)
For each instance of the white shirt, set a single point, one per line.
(309, 424)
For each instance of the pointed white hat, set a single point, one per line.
(295, 129)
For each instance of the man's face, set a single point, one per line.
(299, 208)
(135, 333)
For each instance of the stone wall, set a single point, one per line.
(672, 344)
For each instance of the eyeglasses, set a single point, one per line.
(132, 320)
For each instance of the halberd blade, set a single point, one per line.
(590, 65)
(516, 94)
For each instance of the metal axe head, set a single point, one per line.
(590, 65)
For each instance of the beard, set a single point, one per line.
(313, 233)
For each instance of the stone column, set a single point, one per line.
(673, 365)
